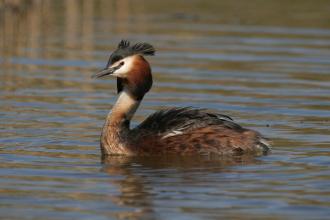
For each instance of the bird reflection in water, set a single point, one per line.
(139, 177)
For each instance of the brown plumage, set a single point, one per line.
(183, 131)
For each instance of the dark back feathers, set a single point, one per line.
(184, 119)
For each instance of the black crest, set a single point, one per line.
(143, 48)
(124, 50)
(123, 44)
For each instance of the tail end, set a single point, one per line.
(264, 145)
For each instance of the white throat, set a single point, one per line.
(125, 106)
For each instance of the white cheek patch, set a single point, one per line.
(125, 68)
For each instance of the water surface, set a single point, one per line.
(265, 64)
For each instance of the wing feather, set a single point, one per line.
(181, 120)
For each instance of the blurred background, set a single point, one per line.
(265, 63)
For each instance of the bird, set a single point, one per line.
(171, 131)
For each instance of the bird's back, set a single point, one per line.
(194, 131)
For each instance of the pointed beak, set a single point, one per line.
(104, 72)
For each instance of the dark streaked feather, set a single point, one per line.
(123, 44)
(184, 119)
(124, 50)
(143, 48)
(264, 144)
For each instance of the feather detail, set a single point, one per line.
(124, 50)
(123, 44)
(144, 49)
(183, 119)
(264, 144)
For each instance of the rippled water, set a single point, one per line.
(267, 64)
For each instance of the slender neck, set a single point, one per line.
(123, 111)
(114, 138)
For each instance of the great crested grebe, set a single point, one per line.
(180, 131)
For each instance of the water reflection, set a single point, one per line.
(179, 163)
(140, 174)
(131, 187)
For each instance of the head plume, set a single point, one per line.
(125, 49)
(138, 48)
